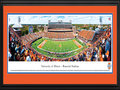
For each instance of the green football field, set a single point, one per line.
(58, 47)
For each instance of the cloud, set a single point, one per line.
(43, 19)
(61, 17)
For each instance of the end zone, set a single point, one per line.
(77, 43)
(42, 44)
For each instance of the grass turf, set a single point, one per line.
(59, 47)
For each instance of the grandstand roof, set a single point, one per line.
(17, 25)
(59, 22)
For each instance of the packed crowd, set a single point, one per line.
(86, 34)
(18, 51)
(59, 35)
(101, 50)
(31, 37)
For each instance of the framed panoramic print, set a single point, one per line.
(59, 43)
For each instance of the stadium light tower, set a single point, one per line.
(17, 26)
(100, 22)
(90, 19)
(19, 19)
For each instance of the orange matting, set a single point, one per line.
(60, 78)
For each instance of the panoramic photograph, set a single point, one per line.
(59, 37)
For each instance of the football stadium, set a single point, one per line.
(59, 41)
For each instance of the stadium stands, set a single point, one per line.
(59, 30)
(20, 49)
(31, 37)
(60, 35)
(86, 35)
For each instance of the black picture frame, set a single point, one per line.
(59, 3)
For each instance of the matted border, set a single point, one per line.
(60, 78)
(39, 48)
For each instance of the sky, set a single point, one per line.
(75, 18)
